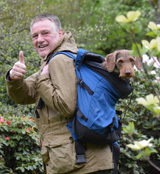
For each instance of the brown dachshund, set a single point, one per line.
(123, 62)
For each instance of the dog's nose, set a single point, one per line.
(128, 72)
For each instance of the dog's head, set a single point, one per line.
(123, 62)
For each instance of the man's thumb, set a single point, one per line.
(21, 57)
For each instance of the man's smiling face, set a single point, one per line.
(45, 37)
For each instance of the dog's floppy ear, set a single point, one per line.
(138, 63)
(110, 62)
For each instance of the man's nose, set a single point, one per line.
(40, 38)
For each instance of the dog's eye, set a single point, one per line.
(120, 61)
(131, 60)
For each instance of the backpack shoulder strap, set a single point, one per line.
(81, 55)
(67, 53)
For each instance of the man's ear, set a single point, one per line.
(60, 32)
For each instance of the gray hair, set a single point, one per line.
(54, 19)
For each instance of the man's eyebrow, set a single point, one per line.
(45, 30)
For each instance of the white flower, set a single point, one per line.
(138, 145)
(153, 26)
(131, 17)
(150, 45)
(150, 100)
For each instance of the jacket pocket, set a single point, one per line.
(61, 158)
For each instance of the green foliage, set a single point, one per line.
(129, 129)
(93, 25)
(19, 140)
(19, 146)
(148, 120)
(145, 126)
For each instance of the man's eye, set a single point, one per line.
(45, 33)
(34, 36)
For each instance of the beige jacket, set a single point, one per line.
(59, 92)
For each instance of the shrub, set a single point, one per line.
(19, 145)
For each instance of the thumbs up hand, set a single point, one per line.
(19, 68)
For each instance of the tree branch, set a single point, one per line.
(152, 164)
(131, 3)
(144, 68)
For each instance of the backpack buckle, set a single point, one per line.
(81, 159)
(80, 82)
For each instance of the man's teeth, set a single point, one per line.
(42, 46)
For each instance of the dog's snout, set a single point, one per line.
(128, 72)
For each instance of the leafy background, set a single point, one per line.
(94, 28)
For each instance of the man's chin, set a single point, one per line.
(42, 53)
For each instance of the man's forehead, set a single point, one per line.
(42, 25)
(44, 22)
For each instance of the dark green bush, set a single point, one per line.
(19, 145)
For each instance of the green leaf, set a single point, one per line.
(129, 129)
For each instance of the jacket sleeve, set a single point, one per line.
(59, 89)
(22, 91)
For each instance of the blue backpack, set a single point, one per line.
(96, 119)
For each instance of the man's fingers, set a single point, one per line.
(19, 66)
(16, 74)
(18, 70)
(21, 57)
